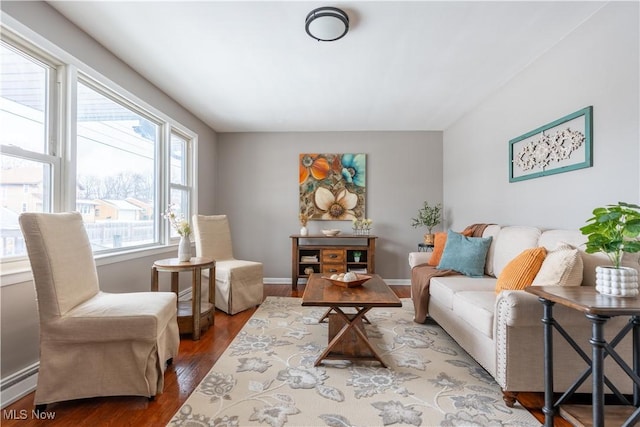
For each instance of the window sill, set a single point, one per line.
(16, 272)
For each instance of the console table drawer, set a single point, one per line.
(333, 255)
(333, 268)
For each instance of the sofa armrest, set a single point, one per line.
(518, 336)
(417, 258)
(522, 309)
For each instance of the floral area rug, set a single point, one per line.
(266, 377)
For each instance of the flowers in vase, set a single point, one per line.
(362, 226)
(178, 222)
(303, 219)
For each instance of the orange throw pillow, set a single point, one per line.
(520, 271)
(438, 248)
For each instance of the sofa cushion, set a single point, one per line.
(477, 308)
(561, 267)
(521, 270)
(440, 240)
(492, 231)
(442, 289)
(465, 255)
(511, 241)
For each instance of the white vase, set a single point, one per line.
(619, 282)
(184, 249)
(304, 231)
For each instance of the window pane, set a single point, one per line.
(23, 95)
(25, 187)
(180, 202)
(177, 159)
(116, 150)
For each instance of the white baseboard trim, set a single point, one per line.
(18, 385)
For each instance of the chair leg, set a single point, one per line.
(170, 362)
(152, 398)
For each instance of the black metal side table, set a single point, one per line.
(598, 309)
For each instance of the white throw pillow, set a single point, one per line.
(561, 267)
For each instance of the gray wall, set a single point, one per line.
(595, 65)
(258, 189)
(18, 315)
(252, 177)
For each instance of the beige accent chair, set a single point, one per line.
(92, 343)
(239, 283)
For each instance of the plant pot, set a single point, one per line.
(619, 282)
(429, 239)
(356, 259)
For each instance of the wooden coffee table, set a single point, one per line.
(347, 337)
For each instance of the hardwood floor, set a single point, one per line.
(194, 360)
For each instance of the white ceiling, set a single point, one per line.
(250, 66)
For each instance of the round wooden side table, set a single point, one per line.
(194, 315)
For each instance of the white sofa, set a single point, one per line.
(504, 332)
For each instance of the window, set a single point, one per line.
(180, 181)
(116, 150)
(119, 149)
(27, 157)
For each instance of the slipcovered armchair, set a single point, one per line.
(92, 343)
(239, 283)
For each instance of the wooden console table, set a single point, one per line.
(197, 314)
(597, 308)
(321, 254)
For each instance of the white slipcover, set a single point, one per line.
(239, 283)
(92, 343)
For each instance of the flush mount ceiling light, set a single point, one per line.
(327, 24)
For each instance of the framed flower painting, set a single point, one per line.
(332, 186)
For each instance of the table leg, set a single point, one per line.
(175, 282)
(597, 359)
(547, 319)
(636, 358)
(350, 323)
(212, 291)
(196, 298)
(294, 263)
(154, 279)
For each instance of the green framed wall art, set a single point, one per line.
(563, 145)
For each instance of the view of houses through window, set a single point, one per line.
(116, 151)
(119, 148)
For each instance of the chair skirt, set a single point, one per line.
(107, 366)
(239, 285)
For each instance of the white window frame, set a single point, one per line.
(62, 145)
(188, 170)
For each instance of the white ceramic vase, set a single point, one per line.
(619, 282)
(184, 249)
(304, 231)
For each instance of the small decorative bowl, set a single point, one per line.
(361, 278)
(331, 232)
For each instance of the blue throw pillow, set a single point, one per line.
(466, 255)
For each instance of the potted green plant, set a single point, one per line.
(614, 230)
(428, 216)
(356, 256)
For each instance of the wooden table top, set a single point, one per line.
(174, 264)
(373, 293)
(587, 300)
